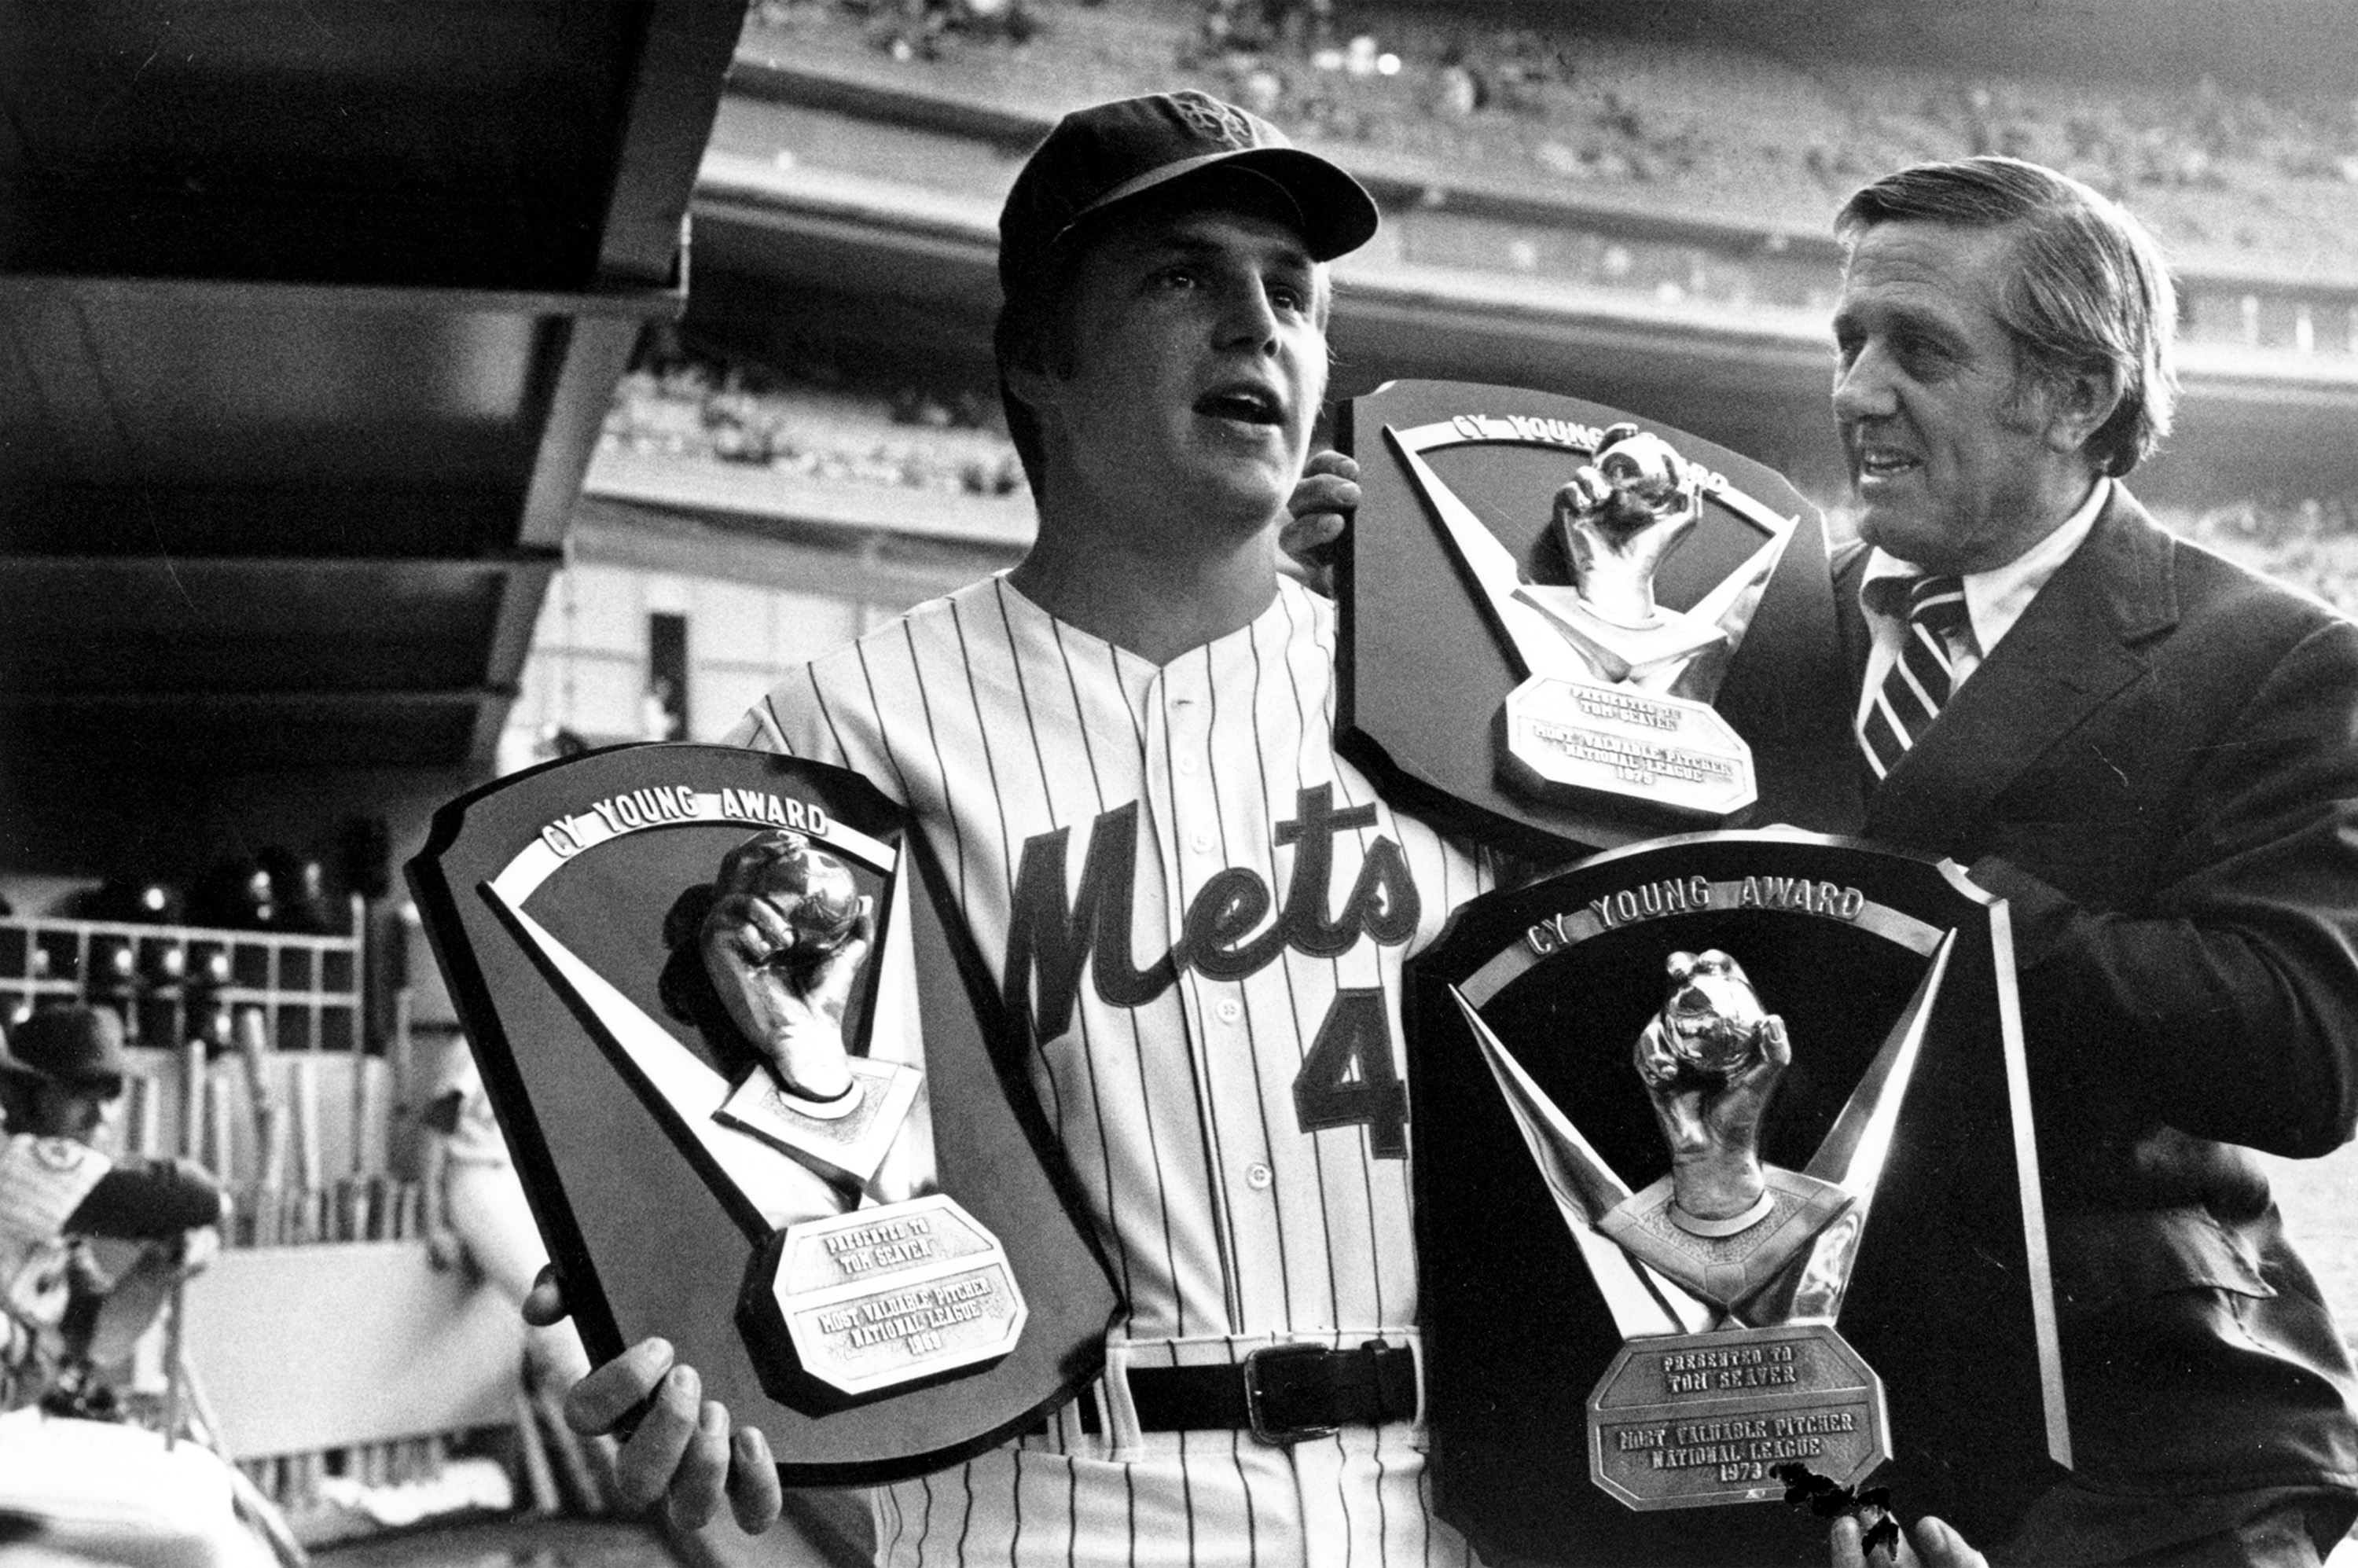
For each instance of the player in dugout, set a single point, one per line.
(61, 1070)
(1145, 696)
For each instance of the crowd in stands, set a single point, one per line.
(2227, 176)
(682, 405)
(916, 30)
(2311, 542)
(689, 405)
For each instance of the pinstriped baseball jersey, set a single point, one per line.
(1202, 913)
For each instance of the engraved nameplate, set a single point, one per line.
(1568, 738)
(1686, 1421)
(886, 1296)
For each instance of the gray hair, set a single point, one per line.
(2090, 293)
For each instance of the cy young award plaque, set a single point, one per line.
(1565, 625)
(1724, 1163)
(754, 1082)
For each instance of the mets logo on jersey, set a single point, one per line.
(1051, 939)
(60, 1154)
(1348, 1076)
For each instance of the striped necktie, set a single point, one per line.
(1920, 678)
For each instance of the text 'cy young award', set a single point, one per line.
(758, 1099)
(1739, 1163)
(1563, 626)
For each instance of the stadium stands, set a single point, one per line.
(2233, 179)
(1691, 176)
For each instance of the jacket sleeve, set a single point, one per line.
(2236, 980)
(147, 1201)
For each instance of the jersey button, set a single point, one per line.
(1187, 761)
(1230, 1009)
(1202, 841)
(1258, 1176)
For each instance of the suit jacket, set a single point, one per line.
(2158, 768)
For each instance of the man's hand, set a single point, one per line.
(1317, 512)
(1936, 1546)
(782, 945)
(681, 1449)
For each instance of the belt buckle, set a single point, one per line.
(1256, 1411)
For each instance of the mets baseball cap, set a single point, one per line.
(1099, 157)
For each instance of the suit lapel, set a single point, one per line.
(2076, 645)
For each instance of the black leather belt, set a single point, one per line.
(1282, 1394)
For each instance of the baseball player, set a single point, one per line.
(475, 1209)
(64, 1066)
(1121, 751)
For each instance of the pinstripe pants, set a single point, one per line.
(1357, 1499)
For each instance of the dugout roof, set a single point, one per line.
(310, 316)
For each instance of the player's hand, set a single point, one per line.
(1317, 514)
(782, 945)
(1935, 1546)
(682, 1449)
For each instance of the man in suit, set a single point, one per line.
(2152, 755)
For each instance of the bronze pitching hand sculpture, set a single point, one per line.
(1711, 1059)
(1620, 518)
(783, 945)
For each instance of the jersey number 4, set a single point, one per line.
(1348, 1079)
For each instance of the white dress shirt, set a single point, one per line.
(1995, 599)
